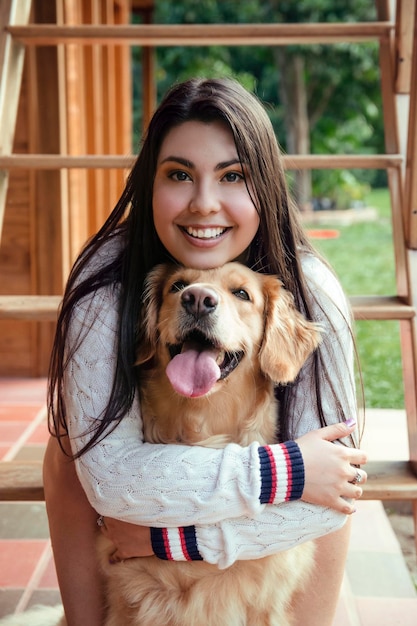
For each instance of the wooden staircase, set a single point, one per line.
(397, 37)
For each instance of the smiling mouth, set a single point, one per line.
(205, 233)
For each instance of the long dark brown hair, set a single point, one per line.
(275, 248)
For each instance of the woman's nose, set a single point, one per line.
(205, 200)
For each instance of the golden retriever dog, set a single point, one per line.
(216, 342)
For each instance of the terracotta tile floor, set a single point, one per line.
(377, 589)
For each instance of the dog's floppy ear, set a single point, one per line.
(289, 337)
(148, 331)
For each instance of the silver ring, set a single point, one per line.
(100, 521)
(357, 479)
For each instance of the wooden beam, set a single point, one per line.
(381, 308)
(204, 34)
(390, 480)
(342, 161)
(411, 164)
(39, 308)
(12, 54)
(75, 227)
(387, 71)
(392, 122)
(291, 161)
(21, 480)
(46, 194)
(408, 335)
(94, 112)
(404, 44)
(46, 307)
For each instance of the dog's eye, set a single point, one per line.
(179, 285)
(242, 294)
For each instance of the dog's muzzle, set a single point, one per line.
(197, 363)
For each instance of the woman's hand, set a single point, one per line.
(130, 540)
(330, 476)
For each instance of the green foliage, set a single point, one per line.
(363, 258)
(342, 187)
(345, 115)
(342, 80)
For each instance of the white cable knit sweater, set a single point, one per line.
(216, 492)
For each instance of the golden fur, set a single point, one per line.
(252, 315)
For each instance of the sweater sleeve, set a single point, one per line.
(279, 527)
(151, 484)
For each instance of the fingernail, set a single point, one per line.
(350, 422)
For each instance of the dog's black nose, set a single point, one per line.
(199, 301)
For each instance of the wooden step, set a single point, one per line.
(390, 480)
(291, 161)
(21, 480)
(36, 308)
(381, 308)
(386, 481)
(45, 308)
(62, 161)
(203, 34)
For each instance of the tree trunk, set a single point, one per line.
(293, 95)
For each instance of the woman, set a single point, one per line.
(208, 187)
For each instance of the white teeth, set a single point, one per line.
(220, 357)
(205, 233)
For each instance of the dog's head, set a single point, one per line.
(201, 324)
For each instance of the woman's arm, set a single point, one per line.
(316, 604)
(278, 527)
(73, 531)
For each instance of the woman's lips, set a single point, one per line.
(205, 232)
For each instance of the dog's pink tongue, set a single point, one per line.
(193, 373)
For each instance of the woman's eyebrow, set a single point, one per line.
(223, 165)
(177, 159)
(220, 166)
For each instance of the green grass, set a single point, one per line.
(363, 258)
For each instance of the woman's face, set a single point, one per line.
(202, 210)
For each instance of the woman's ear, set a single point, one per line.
(289, 337)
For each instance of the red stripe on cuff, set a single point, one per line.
(166, 544)
(184, 545)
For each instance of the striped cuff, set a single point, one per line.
(175, 544)
(282, 473)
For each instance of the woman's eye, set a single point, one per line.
(233, 177)
(180, 176)
(242, 294)
(179, 285)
